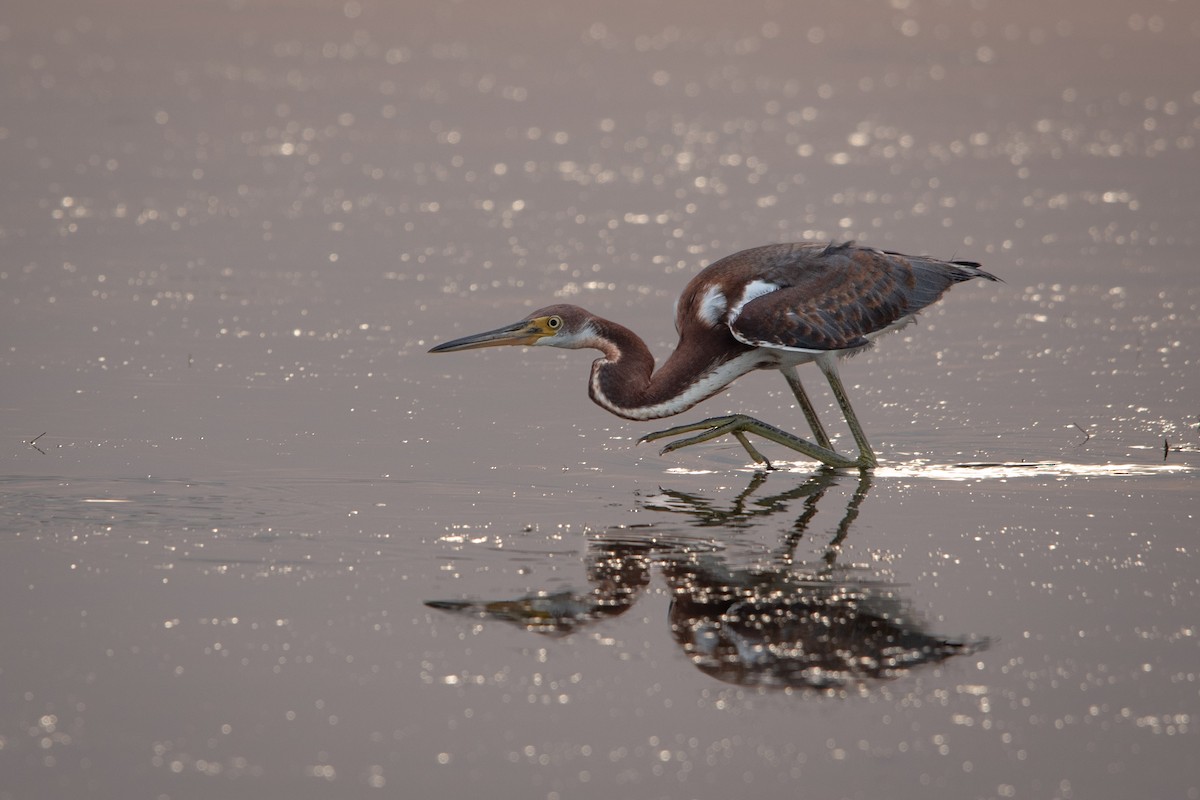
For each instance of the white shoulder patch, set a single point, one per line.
(712, 306)
(753, 289)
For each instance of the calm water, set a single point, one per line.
(257, 543)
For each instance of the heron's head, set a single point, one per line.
(557, 326)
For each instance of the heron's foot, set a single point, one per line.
(739, 425)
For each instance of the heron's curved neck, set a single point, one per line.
(625, 383)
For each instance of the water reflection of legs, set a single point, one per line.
(788, 622)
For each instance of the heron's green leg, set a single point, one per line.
(752, 450)
(866, 456)
(740, 424)
(793, 378)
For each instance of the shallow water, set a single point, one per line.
(258, 543)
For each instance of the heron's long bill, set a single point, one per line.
(525, 332)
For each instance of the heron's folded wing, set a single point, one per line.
(835, 299)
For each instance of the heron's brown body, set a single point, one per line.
(771, 307)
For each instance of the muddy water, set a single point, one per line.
(257, 543)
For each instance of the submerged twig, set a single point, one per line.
(33, 443)
(1087, 435)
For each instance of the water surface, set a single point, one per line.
(258, 543)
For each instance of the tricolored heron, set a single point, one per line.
(771, 307)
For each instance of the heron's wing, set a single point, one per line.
(835, 297)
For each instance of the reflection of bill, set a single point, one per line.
(785, 623)
(617, 573)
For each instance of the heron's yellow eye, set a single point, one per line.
(554, 323)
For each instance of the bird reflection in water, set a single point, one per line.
(780, 621)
